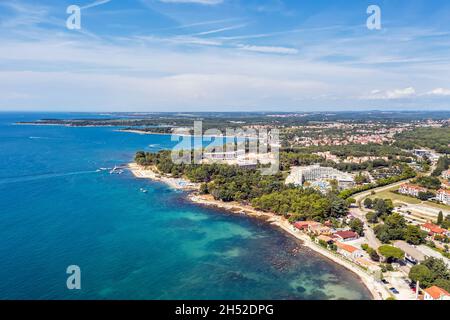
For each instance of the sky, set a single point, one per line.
(224, 55)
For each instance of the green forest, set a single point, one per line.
(433, 138)
(265, 192)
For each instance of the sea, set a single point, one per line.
(58, 208)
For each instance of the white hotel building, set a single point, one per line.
(300, 175)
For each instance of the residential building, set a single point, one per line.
(436, 293)
(349, 251)
(326, 239)
(443, 196)
(319, 229)
(346, 235)
(411, 189)
(304, 225)
(433, 229)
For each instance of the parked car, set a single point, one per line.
(393, 290)
(384, 281)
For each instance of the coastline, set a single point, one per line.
(184, 134)
(377, 291)
(150, 173)
(143, 132)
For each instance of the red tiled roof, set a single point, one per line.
(346, 234)
(436, 292)
(346, 247)
(433, 228)
(305, 224)
(412, 186)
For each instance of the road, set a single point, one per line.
(360, 196)
(372, 240)
(396, 279)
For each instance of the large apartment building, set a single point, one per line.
(300, 175)
(443, 195)
(411, 189)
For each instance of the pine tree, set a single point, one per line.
(440, 218)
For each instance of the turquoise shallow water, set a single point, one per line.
(56, 210)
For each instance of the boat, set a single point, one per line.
(143, 190)
(116, 170)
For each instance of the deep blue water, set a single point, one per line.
(56, 211)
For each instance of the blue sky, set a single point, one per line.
(224, 55)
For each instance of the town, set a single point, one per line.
(389, 180)
(370, 191)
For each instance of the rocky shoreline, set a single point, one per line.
(376, 289)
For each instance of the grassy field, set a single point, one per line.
(396, 198)
(388, 194)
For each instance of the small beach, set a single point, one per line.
(376, 289)
(150, 173)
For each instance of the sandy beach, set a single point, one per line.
(152, 173)
(376, 289)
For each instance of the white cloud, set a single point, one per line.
(439, 92)
(394, 94)
(95, 4)
(401, 93)
(204, 33)
(181, 40)
(268, 49)
(55, 69)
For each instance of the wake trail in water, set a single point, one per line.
(43, 176)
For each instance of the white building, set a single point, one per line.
(348, 251)
(411, 189)
(229, 155)
(443, 196)
(300, 175)
(426, 153)
(435, 293)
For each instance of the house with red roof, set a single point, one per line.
(436, 293)
(349, 251)
(433, 229)
(304, 225)
(411, 189)
(347, 235)
(319, 229)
